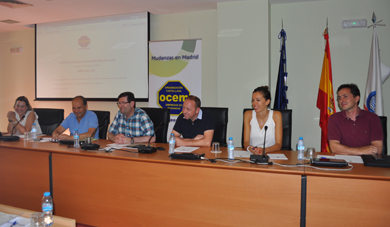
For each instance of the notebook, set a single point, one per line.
(369, 160)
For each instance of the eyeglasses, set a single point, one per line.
(122, 103)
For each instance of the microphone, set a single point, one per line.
(148, 149)
(261, 158)
(12, 137)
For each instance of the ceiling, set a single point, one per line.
(41, 11)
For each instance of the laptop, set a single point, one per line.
(378, 161)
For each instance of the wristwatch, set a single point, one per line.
(9, 120)
(132, 140)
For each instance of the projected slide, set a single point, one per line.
(95, 57)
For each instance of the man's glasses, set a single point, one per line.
(122, 103)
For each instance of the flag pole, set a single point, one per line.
(373, 97)
(325, 98)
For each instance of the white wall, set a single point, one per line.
(243, 57)
(304, 24)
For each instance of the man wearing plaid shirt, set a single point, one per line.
(131, 124)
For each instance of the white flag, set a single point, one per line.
(385, 72)
(373, 99)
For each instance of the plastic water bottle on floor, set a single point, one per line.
(230, 148)
(301, 148)
(47, 209)
(172, 143)
(76, 138)
(34, 132)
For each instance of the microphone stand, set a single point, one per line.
(12, 137)
(148, 149)
(261, 158)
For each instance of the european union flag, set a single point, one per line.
(281, 88)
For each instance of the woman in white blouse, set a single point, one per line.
(22, 108)
(256, 120)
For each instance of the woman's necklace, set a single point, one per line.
(262, 121)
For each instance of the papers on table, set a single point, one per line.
(119, 146)
(46, 139)
(185, 149)
(350, 158)
(242, 154)
(277, 156)
(7, 220)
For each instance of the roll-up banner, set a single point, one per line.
(174, 73)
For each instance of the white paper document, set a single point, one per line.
(277, 156)
(7, 220)
(186, 149)
(350, 158)
(119, 146)
(242, 154)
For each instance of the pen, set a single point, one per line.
(15, 222)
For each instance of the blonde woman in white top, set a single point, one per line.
(22, 108)
(255, 120)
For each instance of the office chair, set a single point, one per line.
(287, 129)
(159, 116)
(49, 119)
(221, 122)
(384, 128)
(103, 126)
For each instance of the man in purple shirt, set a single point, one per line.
(354, 131)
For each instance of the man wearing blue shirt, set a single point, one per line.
(82, 119)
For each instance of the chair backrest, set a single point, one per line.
(287, 129)
(221, 121)
(159, 116)
(49, 119)
(103, 126)
(384, 128)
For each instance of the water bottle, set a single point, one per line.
(301, 148)
(47, 209)
(172, 143)
(76, 138)
(230, 148)
(34, 132)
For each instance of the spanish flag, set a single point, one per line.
(325, 99)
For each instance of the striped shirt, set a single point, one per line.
(139, 124)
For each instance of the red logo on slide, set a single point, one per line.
(84, 41)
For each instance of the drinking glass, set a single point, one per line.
(215, 148)
(36, 220)
(27, 136)
(311, 153)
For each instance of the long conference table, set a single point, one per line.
(130, 189)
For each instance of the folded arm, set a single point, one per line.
(122, 139)
(338, 148)
(200, 140)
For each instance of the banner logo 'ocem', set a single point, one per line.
(84, 41)
(172, 96)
